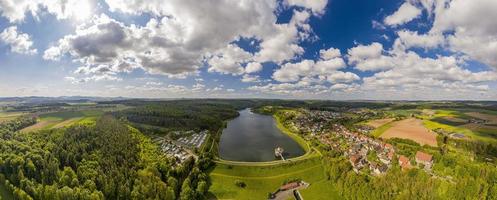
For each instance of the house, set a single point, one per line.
(388, 147)
(290, 186)
(356, 162)
(404, 163)
(425, 159)
(378, 168)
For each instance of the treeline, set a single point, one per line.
(17, 124)
(108, 160)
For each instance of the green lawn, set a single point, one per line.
(262, 180)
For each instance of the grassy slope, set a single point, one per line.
(262, 180)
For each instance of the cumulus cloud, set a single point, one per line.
(16, 10)
(342, 77)
(229, 60)
(19, 42)
(253, 67)
(410, 39)
(330, 61)
(247, 78)
(184, 36)
(471, 27)
(413, 71)
(406, 13)
(369, 57)
(317, 6)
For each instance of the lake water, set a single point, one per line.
(253, 137)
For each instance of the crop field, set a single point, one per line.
(379, 122)
(456, 121)
(6, 116)
(63, 119)
(262, 180)
(412, 129)
(492, 119)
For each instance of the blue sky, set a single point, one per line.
(298, 49)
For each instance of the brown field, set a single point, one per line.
(379, 122)
(492, 119)
(39, 125)
(412, 129)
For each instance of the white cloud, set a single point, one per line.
(317, 6)
(19, 42)
(369, 57)
(253, 67)
(342, 77)
(229, 60)
(329, 53)
(16, 10)
(247, 78)
(330, 61)
(404, 14)
(184, 36)
(471, 26)
(410, 39)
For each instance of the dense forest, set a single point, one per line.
(182, 115)
(108, 160)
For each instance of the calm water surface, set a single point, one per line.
(253, 137)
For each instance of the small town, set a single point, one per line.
(363, 151)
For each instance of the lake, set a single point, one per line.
(252, 137)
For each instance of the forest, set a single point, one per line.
(107, 160)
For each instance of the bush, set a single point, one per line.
(240, 184)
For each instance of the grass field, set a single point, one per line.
(262, 180)
(64, 119)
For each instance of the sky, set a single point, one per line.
(290, 49)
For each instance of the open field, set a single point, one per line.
(379, 122)
(412, 129)
(63, 119)
(6, 116)
(262, 180)
(492, 119)
(456, 121)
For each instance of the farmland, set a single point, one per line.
(379, 122)
(412, 129)
(63, 119)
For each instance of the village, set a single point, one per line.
(182, 148)
(365, 154)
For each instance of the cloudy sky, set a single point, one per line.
(299, 49)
